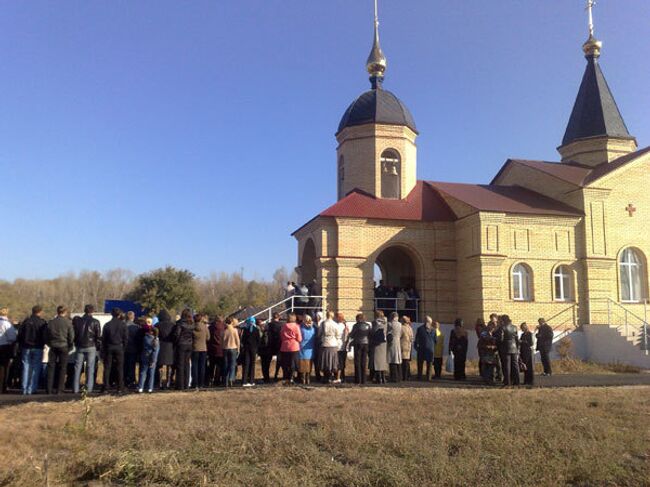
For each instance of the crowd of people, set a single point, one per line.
(191, 351)
(402, 300)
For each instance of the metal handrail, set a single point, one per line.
(291, 299)
(388, 308)
(644, 345)
(572, 308)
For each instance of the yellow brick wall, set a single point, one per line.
(594, 151)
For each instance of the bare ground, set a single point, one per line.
(334, 437)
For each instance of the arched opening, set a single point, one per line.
(308, 263)
(391, 170)
(396, 289)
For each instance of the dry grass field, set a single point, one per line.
(334, 437)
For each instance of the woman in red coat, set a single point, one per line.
(290, 338)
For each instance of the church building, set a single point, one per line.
(564, 240)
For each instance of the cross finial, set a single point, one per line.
(631, 209)
(590, 11)
(376, 63)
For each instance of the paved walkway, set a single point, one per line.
(561, 380)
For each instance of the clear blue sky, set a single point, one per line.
(201, 134)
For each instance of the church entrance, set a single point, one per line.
(396, 281)
(308, 263)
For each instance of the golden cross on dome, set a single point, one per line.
(590, 9)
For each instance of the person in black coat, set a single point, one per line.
(250, 343)
(166, 353)
(507, 340)
(458, 343)
(31, 338)
(360, 339)
(527, 354)
(273, 328)
(183, 338)
(545, 344)
(425, 345)
(114, 340)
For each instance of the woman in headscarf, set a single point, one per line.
(250, 342)
(406, 341)
(148, 355)
(394, 350)
(425, 344)
(200, 339)
(379, 347)
(527, 355)
(458, 342)
(166, 352)
(331, 334)
(306, 349)
(231, 345)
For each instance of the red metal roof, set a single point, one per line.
(507, 199)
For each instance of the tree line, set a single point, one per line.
(169, 288)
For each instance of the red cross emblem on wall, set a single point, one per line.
(630, 209)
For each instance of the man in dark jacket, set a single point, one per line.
(87, 342)
(273, 329)
(132, 351)
(545, 344)
(60, 339)
(425, 346)
(114, 340)
(215, 352)
(507, 339)
(31, 338)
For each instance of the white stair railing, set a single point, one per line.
(291, 304)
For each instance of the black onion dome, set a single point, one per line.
(377, 106)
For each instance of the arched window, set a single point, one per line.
(391, 169)
(632, 275)
(562, 283)
(341, 176)
(522, 283)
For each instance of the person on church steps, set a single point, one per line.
(458, 342)
(31, 338)
(150, 346)
(378, 342)
(507, 340)
(439, 350)
(60, 339)
(545, 344)
(306, 355)
(200, 338)
(360, 340)
(290, 338)
(331, 334)
(343, 347)
(231, 344)
(394, 347)
(250, 342)
(406, 342)
(527, 355)
(114, 340)
(87, 342)
(166, 351)
(8, 337)
(183, 339)
(425, 344)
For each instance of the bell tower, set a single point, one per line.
(377, 152)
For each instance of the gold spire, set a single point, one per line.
(376, 63)
(593, 46)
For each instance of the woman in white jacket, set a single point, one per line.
(331, 334)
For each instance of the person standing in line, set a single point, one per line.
(458, 343)
(360, 340)
(439, 350)
(508, 343)
(264, 351)
(274, 328)
(148, 355)
(318, 343)
(545, 344)
(527, 354)
(331, 334)
(215, 352)
(250, 342)
(8, 337)
(31, 338)
(183, 338)
(132, 351)
(479, 328)
(231, 344)
(487, 350)
(114, 340)
(343, 347)
(290, 338)
(406, 342)
(200, 337)
(379, 347)
(306, 355)
(166, 351)
(494, 325)
(425, 344)
(60, 339)
(87, 342)
(394, 353)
